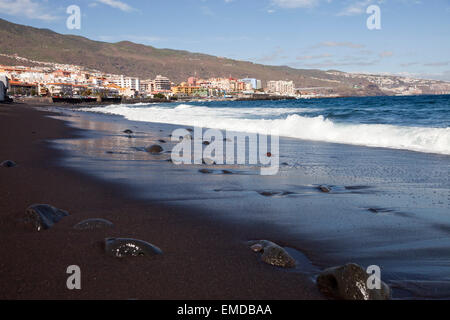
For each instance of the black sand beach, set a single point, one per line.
(202, 259)
(385, 207)
(380, 207)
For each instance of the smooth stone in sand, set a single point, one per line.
(122, 247)
(128, 131)
(268, 193)
(91, 224)
(273, 254)
(8, 164)
(349, 282)
(325, 189)
(44, 216)
(154, 149)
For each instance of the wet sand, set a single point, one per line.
(384, 207)
(202, 259)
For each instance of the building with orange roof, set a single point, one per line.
(23, 88)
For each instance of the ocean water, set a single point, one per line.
(386, 160)
(418, 123)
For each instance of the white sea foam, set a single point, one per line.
(287, 122)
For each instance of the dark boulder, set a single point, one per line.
(349, 282)
(154, 149)
(205, 171)
(325, 189)
(273, 254)
(8, 164)
(128, 131)
(91, 224)
(122, 247)
(269, 193)
(44, 216)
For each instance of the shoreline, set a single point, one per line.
(42, 101)
(201, 260)
(363, 203)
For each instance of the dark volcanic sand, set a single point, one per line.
(201, 260)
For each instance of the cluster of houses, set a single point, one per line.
(74, 82)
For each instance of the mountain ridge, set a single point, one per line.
(143, 61)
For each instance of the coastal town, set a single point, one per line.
(61, 82)
(70, 81)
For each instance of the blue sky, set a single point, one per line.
(326, 34)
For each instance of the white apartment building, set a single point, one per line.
(223, 84)
(146, 86)
(255, 83)
(162, 84)
(127, 82)
(283, 88)
(60, 89)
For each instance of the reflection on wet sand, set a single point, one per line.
(383, 207)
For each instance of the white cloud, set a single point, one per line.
(295, 3)
(356, 8)
(386, 54)
(340, 44)
(118, 5)
(437, 64)
(313, 57)
(26, 8)
(206, 11)
(277, 54)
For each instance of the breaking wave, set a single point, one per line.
(289, 122)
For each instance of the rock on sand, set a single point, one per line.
(122, 247)
(91, 224)
(325, 189)
(154, 149)
(349, 282)
(8, 164)
(44, 216)
(273, 254)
